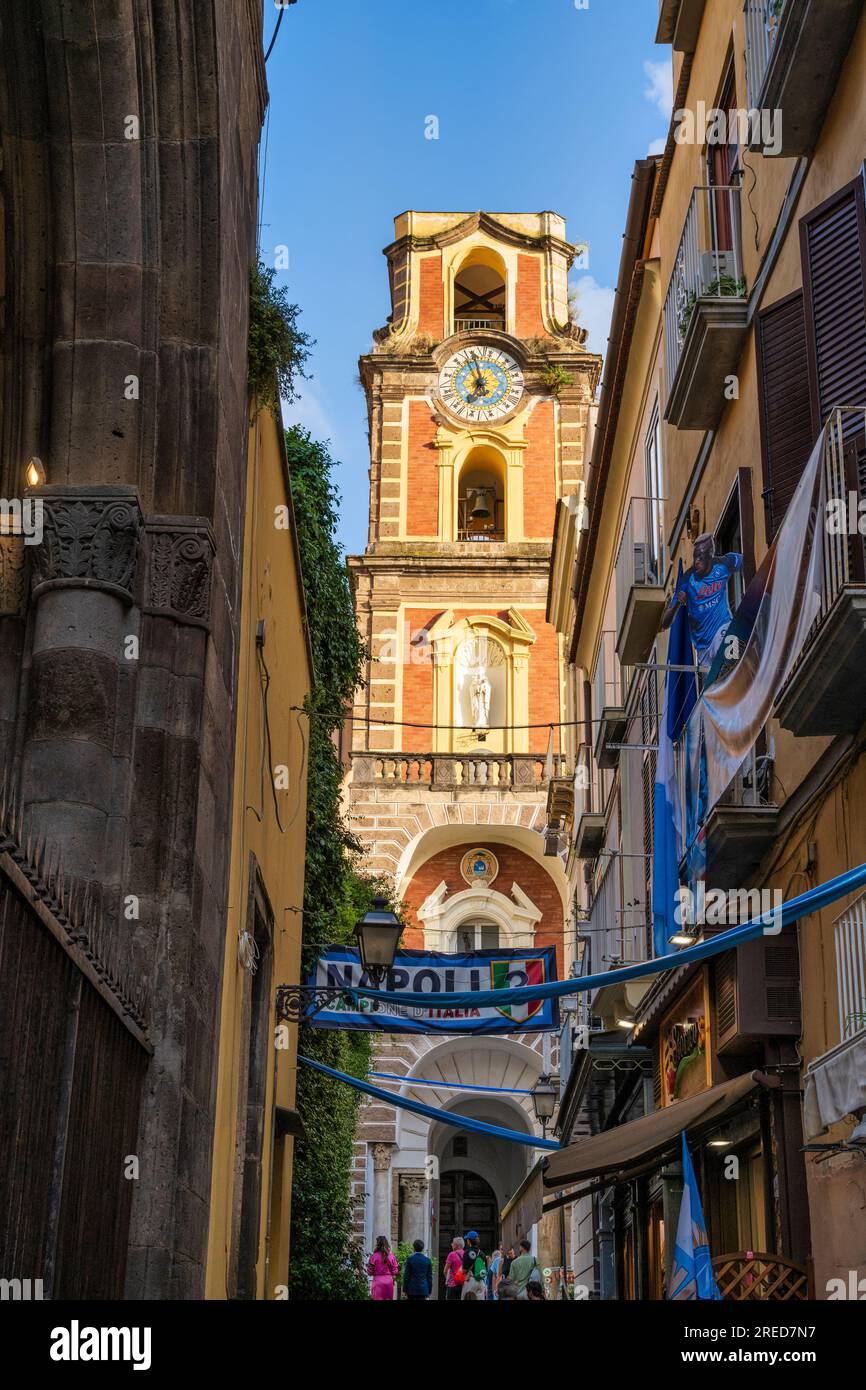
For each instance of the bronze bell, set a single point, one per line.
(481, 505)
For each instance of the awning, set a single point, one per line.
(632, 1145)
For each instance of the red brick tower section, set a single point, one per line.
(480, 397)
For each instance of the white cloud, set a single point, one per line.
(661, 86)
(310, 411)
(657, 146)
(593, 306)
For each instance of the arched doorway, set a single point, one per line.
(467, 1202)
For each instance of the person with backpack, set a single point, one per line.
(418, 1274)
(523, 1268)
(454, 1275)
(474, 1268)
(382, 1268)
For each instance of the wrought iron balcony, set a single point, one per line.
(705, 309)
(794, 53)
(588, 806)
(824, 693)
(640, 568)
(608, 702)
(741, 827)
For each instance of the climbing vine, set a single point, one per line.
(277, 349)
(325, 1263)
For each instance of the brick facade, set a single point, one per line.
(422, 473)
(514, 867)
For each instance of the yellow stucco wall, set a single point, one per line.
(272, 590)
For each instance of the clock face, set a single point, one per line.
(480, 383)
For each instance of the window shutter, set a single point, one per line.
(833, 246)
(786, 410)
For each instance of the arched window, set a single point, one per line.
(477, 936)
(479, 292)
(481, 497)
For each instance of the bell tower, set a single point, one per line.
(480, 399)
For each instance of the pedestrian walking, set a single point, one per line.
(382, 1268)
(505, 1293)
(494, 1271)
(418, 1274)
(454, 1271)
(507, 1262)
(523, 1268)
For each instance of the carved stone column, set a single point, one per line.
(413, 1191)
(382, 1190)
(79, 720)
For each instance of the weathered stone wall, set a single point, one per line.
(129, 136)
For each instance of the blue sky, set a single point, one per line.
(540, 105)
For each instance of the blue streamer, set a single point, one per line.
(792, 911)
(448, 1085)
(431, 1112)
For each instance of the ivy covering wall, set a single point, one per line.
(324, 1262)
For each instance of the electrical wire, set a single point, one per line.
(370, 722)
(276, 30)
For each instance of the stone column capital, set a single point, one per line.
(90, 539)
(414, 1188)
(181, 552)
(382, 1157)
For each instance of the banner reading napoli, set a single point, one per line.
(434, 973)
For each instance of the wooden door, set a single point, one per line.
(466, 1203)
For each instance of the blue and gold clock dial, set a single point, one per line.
(481, 384)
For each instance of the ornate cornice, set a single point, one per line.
(90, 539)
(181, 551)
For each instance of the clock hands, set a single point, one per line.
(480, 384)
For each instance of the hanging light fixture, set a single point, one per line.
(34, 473)
(378, 934)
(543, 1101)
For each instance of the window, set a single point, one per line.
(785, 406)
(477, 936)
(833, 248)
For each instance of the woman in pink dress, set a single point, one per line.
(382, 1267)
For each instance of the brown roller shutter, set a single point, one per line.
(785, 403)
(833, 247)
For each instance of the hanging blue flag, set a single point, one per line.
(679, 701)
(692, 1276)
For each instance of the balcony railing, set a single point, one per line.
(495, 771)
(795, 51)
(705, 308)
(850, 933)
(640, 569)
(824, 692)
(762, 18)
(588, 805)
(472, 325)
(708, 265)
(607, 679)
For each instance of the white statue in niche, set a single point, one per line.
(479, 697)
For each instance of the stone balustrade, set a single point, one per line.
(450, 770)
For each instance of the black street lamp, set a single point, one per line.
(544, 1101)
(378, 934)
